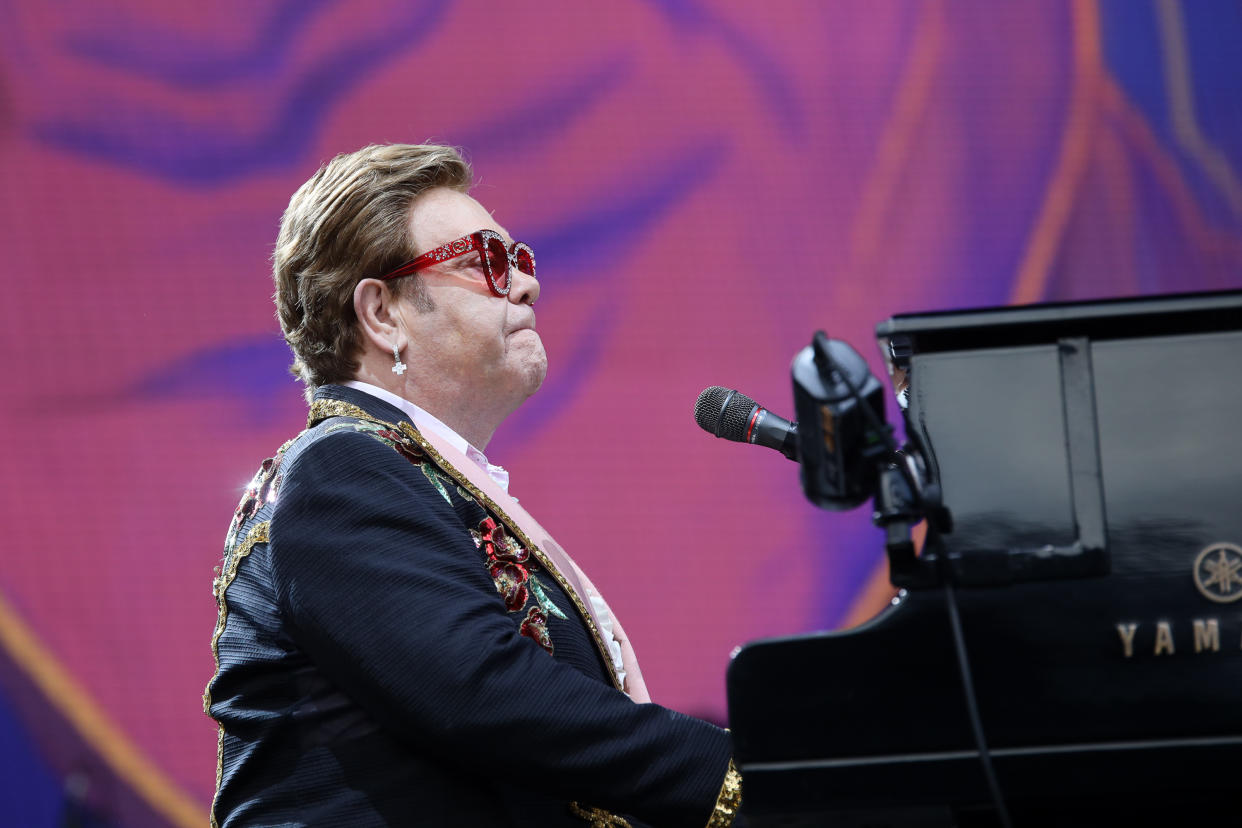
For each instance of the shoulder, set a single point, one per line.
(347, 443)
(346, 459)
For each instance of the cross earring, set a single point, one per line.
(398, 367)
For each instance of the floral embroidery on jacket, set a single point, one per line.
(438, 480)
(262, 488)
(535, 626)
(543, 600)
(513, 571)
(395, 439)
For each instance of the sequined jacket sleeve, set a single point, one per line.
(376, 573)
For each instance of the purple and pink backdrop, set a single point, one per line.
(705, 184)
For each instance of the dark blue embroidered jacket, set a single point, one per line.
(378, 664)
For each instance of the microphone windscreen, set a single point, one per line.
(724, 413)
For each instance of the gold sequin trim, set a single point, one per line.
(219, 775)
(598, 817)
(323, 409)
(729, 800)
(257, 534)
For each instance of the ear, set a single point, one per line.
(375, 306)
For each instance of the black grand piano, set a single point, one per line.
(1066, 647)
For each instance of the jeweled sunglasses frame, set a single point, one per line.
(489, 245)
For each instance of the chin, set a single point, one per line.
(527, 365)
(534, 375)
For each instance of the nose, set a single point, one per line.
(524, 290)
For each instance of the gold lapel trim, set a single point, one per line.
(728, 801)
(598, 817)
(257, 534)
(323, 409)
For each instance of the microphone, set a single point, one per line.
(731, 415)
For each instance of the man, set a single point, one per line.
(398, 641)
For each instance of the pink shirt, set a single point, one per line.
(429, 422)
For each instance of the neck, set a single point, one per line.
(471, 415)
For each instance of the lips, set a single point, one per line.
(525, 326)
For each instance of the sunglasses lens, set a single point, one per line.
(525, 259)
(498, 263)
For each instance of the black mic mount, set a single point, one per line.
(846, 450)
(849, 453)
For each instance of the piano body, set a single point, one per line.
(1090, 459)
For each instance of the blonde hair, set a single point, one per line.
(349, 222)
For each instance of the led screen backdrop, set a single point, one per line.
(705, 184)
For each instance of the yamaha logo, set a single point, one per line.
(1218, 572)
(1218, 577)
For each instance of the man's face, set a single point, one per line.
(483, 347)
